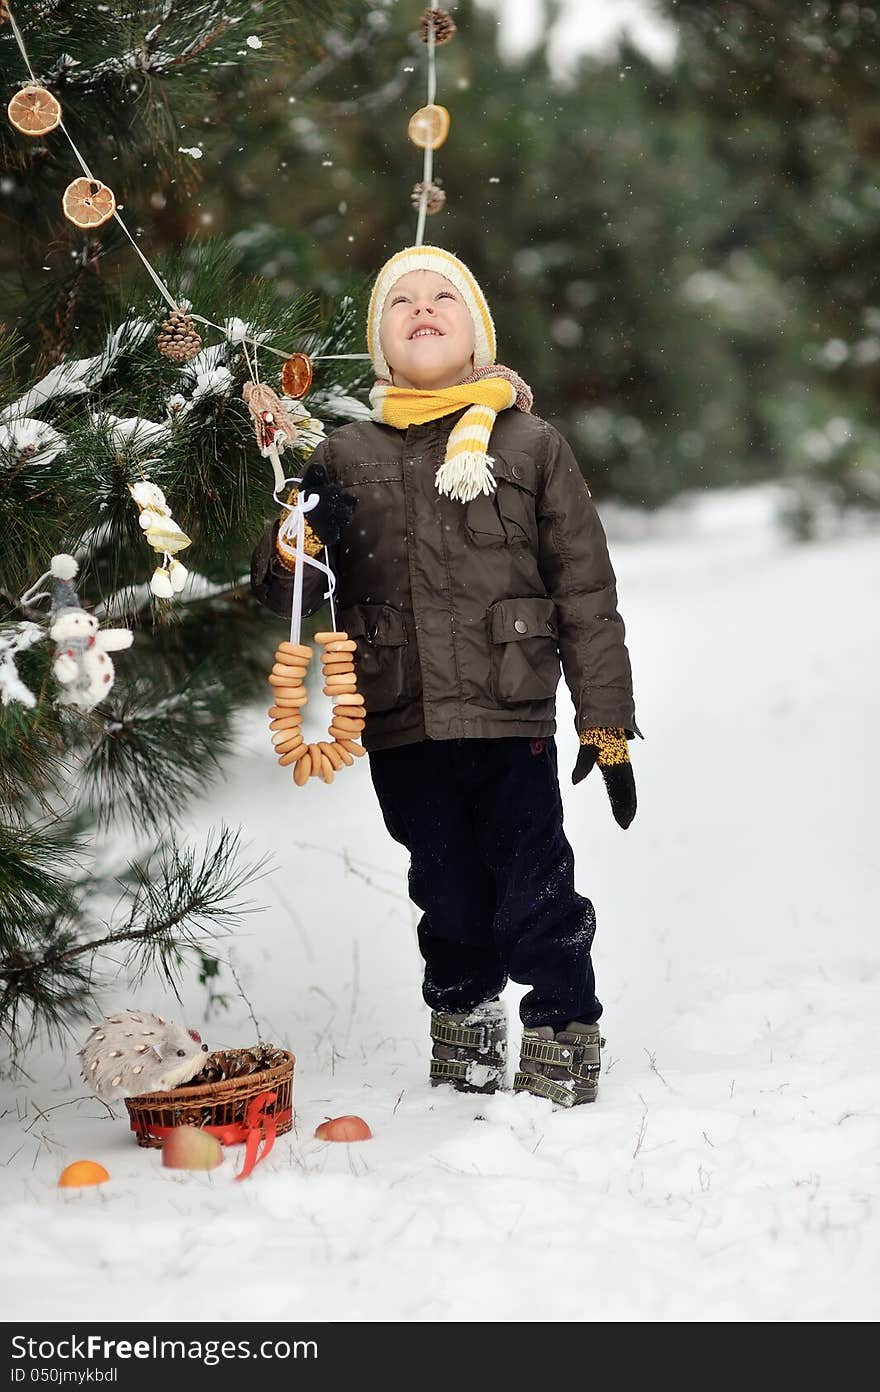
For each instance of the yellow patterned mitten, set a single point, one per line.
(608, 748)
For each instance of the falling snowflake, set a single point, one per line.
(190, 150)
(253, 42)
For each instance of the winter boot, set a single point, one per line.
(470, 1050)
(562, 1066)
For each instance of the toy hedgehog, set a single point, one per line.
(133, 1052)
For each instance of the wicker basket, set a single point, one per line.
(213, 1104)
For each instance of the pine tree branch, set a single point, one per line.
(339, 50)
(199, 45)
(152, 38)
(176, 902)
(154, 748)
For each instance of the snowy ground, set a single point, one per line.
(729, 1170)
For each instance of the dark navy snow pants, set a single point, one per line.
(493, 872)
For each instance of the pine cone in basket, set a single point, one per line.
(224, 1064)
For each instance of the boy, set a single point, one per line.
(469, 561)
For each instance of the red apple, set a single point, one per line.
(343, 1128)
(188, 1148)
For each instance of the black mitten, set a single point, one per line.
(608, 748)
(334, 509)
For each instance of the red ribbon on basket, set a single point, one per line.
(258, 1126)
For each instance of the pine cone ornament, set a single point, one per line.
(178, 338)
(436, 199)
(444, 26)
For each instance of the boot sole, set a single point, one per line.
(557, 1093)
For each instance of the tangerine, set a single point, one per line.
(82, 1172)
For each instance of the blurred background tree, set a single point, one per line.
(679, 258)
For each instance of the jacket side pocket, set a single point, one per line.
(385, 662)
(524, 652)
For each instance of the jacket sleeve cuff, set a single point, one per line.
(607, 710)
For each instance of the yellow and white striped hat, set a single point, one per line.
(430, 258)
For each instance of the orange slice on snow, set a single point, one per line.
(429, 127)
(88, 203)
(34, 111)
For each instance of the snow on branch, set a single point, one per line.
(75, 376)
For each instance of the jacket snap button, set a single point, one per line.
(516, 471)
(520, 625)
(374, 631)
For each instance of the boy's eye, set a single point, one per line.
(398, 299)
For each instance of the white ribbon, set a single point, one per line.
(292, 530)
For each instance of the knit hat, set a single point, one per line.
(430, 258)
(64, 595)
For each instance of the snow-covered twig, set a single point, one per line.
(643, 1127)
(654, 1068)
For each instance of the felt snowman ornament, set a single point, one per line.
(81, 663)
(164, 535)
(134, 1052)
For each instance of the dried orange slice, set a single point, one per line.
(296, 375)
(88, 203)
(429, 127)
(34, 111)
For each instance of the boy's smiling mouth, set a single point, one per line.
(423, 331)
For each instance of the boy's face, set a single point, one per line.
(423, 300)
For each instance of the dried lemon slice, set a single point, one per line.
(296, 375)
(429, 127)
(34, 111)
(88, 203)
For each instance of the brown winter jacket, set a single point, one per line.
(461, 611)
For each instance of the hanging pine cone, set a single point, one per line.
(178, 339)
(436, 200)
(444, 26)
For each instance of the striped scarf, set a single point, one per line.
(465, 471)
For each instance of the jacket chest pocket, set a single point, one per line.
(507, 516)
(362, 473)
(385, 662)
(524, 652)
